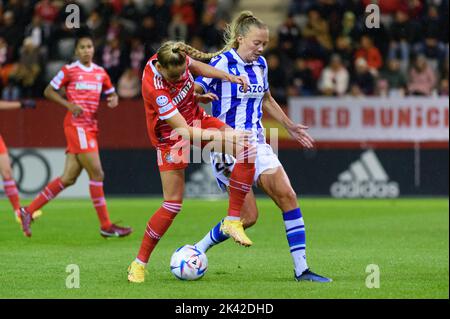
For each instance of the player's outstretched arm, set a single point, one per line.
(12, 105)
(230, 136)
(203, 69)
(54, 96)
(9, 105)
(297, 131)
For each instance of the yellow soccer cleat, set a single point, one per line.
(235, 230)
(136, 272)
(35, 215)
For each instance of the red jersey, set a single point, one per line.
(84, 86)
(163, 99)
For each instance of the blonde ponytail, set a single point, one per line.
(240, 26)
(173, 53)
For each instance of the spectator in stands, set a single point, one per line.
(349, 28)
(129, 11)
(395, 78)
(22, 11)
(184, 12)
(370, 53)
(36, 31)
(160, 12)
(443, 87)
(433, 50)
(113, 59)
(114, 30)
(403, 32)
(422, 79)
(150, 35)
(362, 80)
(301, 82)
(210, 33)
(137, 57)
(345, 50)
(97, 26)
(12, 33)
(5, 53)
(317, 35)
(28, 68)
(47, 11)
(129, 84)
(105, 10)
(335, 78)
(432, 24)
(277, 79)
(178, 29)
(288, 36)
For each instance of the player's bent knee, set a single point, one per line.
(68, 181)
(287, 198)
(98, 176)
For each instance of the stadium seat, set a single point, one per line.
(66, 48)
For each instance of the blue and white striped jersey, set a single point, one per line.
(240, 110)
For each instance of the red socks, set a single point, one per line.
(10, 188)
(98, 199)
(241, 180)
(157, 226)
(47, 194)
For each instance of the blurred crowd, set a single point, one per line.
(327, 48)
(323, 47)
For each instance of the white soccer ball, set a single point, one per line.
(188, 263)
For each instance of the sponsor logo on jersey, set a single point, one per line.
(88, 86)
(254, 91)
(183, 93)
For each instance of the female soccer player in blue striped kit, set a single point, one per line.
(246, 38)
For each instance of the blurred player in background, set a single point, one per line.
(9, 184)
(84, 82)
(174, 120)
(247, 37)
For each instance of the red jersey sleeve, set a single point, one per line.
(158, 99)
(162, 102)
(61, 78)
(107, 87)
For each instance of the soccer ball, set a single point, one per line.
(188, 263)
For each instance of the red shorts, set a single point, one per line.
(80, 140)
(3, 148)
(176, 156)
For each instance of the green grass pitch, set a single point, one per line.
(407, 238)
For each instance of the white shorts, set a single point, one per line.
(222, 164)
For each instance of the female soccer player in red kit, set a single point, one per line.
(9, 184)
(172, 111)
(84, 82)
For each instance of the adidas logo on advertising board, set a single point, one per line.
(365, 178)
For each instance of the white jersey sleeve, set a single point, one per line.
(219, 62)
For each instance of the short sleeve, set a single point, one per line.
(163, 103)
(60, 79)
(218, 62)
(107, 87)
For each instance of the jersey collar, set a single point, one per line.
(85, 68)
(238, 57)
(154, 69)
